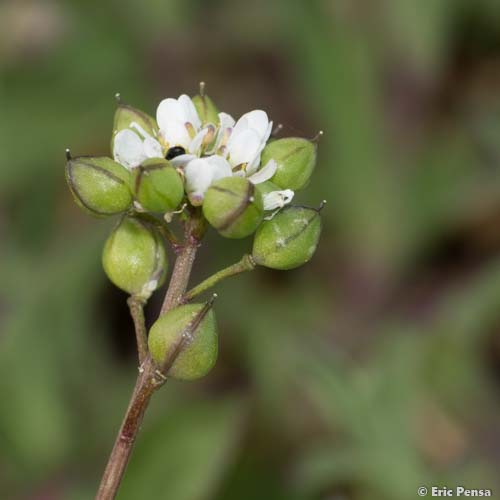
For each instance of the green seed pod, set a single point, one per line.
(128, 117)
(188, 335)
(296, 158)
(99, 185)
(134, 258)
(289, 239)
(157, 186)
(207, 111)
(234, 207)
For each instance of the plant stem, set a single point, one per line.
(162, 226)
(145, 386)
(183, 264)
(150, 377)
(182, 270)
(245, 264)
(136, 307)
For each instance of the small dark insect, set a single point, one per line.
(175, 151)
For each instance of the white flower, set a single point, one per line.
(239, 146)
(179, 125)
(134, 145)
(244, 141)
(178, 121)
(236, 148)
(200, 173)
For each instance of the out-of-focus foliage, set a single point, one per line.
(372, 370)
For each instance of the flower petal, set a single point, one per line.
(277, 199)
(176, 134)
(259, 121)
(241, 125)
(152, 148)
(224, 131)
(169, 110)
(226, 120)
(197, 141)
(182, 160)
(265, 173)
(189, 111)
(267, 133)
(142, 133)
(256, 120)
(128, 149)
(199, 176)
(243, 147)
(220, 167)
(253, 165)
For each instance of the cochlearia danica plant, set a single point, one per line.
(193, 168)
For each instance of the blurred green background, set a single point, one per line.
(370, 371)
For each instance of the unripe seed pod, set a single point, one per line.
(289, 239)
(183, 341)
(99, 185)
(296, 159)
(233, 206)
(207, 111)
(157, 186)
(134, 258)
(128, 117)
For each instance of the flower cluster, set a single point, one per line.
(188, 149)
(205, 146)
(203, 165)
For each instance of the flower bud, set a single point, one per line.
(134, 258)
(289, 239)
(157, 186)
(233, 206)
(99, 185)
(183, 341)
(296, 158)
(128, 117)
(207, 111)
